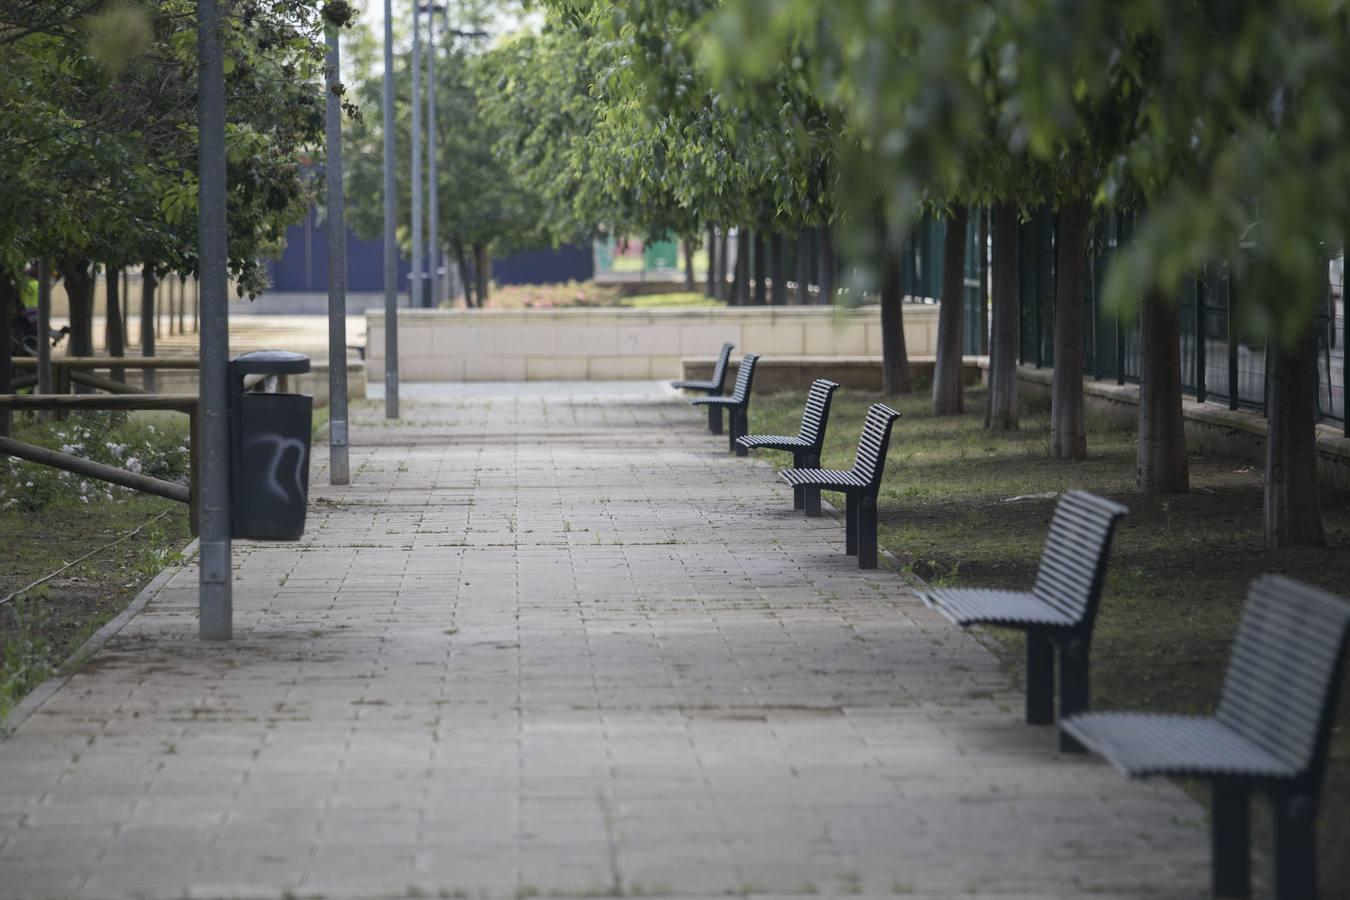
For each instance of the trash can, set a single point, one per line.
(269, 450)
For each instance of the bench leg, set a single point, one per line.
(1230, 839)
(742, 419)
(1073, 688)
(798, 492)
(867, 533)
(714, 420)
(850, 525)
(1040, 679)
(1295, 845)
(811, 501)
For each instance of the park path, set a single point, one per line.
(554, 641)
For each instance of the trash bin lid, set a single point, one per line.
(270, 362)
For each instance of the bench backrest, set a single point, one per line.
(1280, 690)
(817, 412)
(870, 461)
(719, 372)
(745, 374)
(1073, 563)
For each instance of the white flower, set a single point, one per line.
(67, 449)
(116, 449)
(133, 465)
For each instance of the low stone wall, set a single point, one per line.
(1210, 428)
(314, 382)
(619, 344)
(859, 373)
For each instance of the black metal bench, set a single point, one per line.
(737, 405)
(1271, 730)
(805, 446)
(712, 387)
(859, 485)
(1059, 610)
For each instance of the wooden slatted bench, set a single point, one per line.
(1057, 613)
(859, 485)
(737, 405)
(1271, 730)
(712, 387)
(805, 446)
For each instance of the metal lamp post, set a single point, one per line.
(339, 469)
(433, 185)
(390, 247)
(416, 277)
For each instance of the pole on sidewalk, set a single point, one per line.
(215, 600)
(416, 285)
(390, 248)
(433, 186)
(339, 471)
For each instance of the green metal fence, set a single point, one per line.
(1217, 364)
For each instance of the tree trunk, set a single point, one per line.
(80, 292)
(895, 375)
(710, 284)
(1002, 412)
(803, 267)
(742, 267)
(114, 330)
(482, 272)
(465, 274)
(148, 283)
(777, 270)
(688, 244)
(1293, 512)
(828, 264)
(1068, 429)
(761, 270)
(723, 248)
(948, 399)
(1161, 466)
(9, 300)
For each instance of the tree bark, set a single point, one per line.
(828, 265)
(723, 266)
(1002, 413)
(688, 264)
(761, 270)
(710, 286)
(803, 267)
(1068, 429)
(80, 292)
(948, 398)
(114, 336)
(148, 283)
(742, 267)
(777, 270)
(465, 274)
(895, 374)
(9, 300)
(1161, 466)
(482, 272)
(1293, 514)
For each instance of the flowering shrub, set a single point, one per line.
(153, 446)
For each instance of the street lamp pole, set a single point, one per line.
(433, 185)
(339, 469)
(418, 254)
(390, 247)
(215, 600)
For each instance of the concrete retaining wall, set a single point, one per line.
(605, 344)
(1210, 428)
(859, 373)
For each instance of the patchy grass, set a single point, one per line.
(49, 518)
(1180, 565)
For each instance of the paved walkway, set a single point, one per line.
(556, 642)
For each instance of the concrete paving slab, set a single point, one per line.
(555, 641)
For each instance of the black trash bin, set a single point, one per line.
(269, 450)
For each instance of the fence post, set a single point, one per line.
(1232, 342)
(1201, 283)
